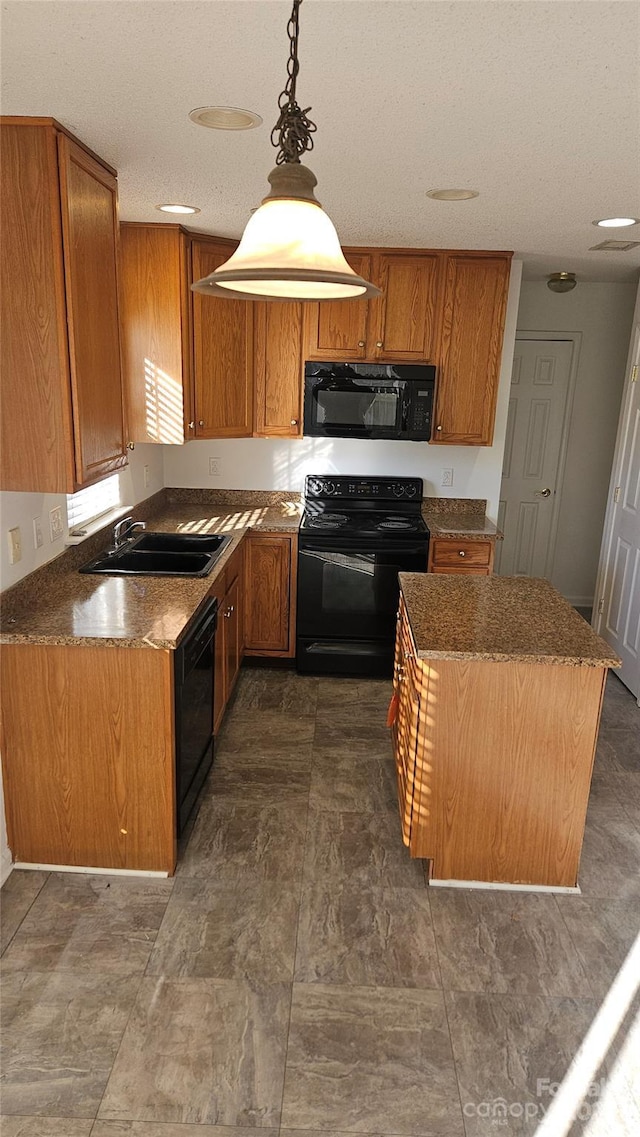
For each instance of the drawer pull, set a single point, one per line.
(461, 553)
(360, 343)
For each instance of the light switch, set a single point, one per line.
(15, 545)
(56, 528)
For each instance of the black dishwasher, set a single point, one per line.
(194, 664)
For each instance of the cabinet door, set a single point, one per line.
(268, 623)
(233, 621)
(89, 233)
(338, 329)
(473, 325)
(220, 660)
(279, 367)
(36, 448)
(404, 320)
(156, 344)
(223, 351)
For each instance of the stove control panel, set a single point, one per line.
(353, 489)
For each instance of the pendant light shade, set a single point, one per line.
(289, 249)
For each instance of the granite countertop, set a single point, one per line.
(505, 619)
(459, 517)
(56, 605)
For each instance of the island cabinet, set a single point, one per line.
(222, 351)
(156, 332)
(401, 325)
(498, 685)
(270, 594)
(89, 765)
(229, 590)
(470, 348)
(62, 421)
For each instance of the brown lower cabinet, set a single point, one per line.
(229, 592)
(493, 763)
(89, 764)
(271, 562)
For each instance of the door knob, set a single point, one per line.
(542, 493)
(200, 422)
(379, 343)
(438, 428)
(360, 343)
(192, 425)
(294, 422)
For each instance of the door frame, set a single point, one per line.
(575, 338)
(604, 563)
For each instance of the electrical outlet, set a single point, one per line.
(56, 528)
(146, 476)
(446, 478)
(38, 539)
(215, 467)
(15, 545)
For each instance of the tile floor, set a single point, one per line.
(297, 976)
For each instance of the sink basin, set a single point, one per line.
(174, 555)
(179, 542)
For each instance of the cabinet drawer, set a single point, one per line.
(458, 554)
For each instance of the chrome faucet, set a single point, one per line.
(125, 530)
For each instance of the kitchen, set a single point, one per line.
(280, 464)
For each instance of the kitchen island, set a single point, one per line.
(498, 686)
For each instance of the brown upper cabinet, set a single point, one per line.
(156, 332)
(222, 352)
(279, 366)
(475, 300)
(62, 421)
(400, 325)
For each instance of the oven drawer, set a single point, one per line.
(447, 554)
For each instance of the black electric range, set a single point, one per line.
(355, 536)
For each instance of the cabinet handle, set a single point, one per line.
(131, 445)
(192, 425)
(200, 422)
(438, 428)
(360, 343)
(294, 422)
(461, 553)
(379, 343)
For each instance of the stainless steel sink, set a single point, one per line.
(161, 554)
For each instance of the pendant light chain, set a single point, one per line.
(291, 135)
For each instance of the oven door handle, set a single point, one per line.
(356, 548)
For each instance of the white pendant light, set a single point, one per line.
(289, 249)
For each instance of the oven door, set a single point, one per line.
(356, 408)
(348, 601)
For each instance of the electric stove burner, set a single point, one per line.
(396, 523)
(328, 521)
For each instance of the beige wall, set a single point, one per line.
(603, 314)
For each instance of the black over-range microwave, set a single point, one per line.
(369, 400)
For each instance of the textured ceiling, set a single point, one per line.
(535, 104)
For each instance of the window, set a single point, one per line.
(92, 502)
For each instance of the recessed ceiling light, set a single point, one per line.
(225, 118)
(453, 194)
(616, 222)
(178, 208)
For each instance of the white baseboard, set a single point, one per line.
(6, 866)
(504, 887)
(580, 601)
(92, 871)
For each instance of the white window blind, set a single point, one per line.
(92, 502)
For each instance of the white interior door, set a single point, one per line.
(535, 432)
(617, 615)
